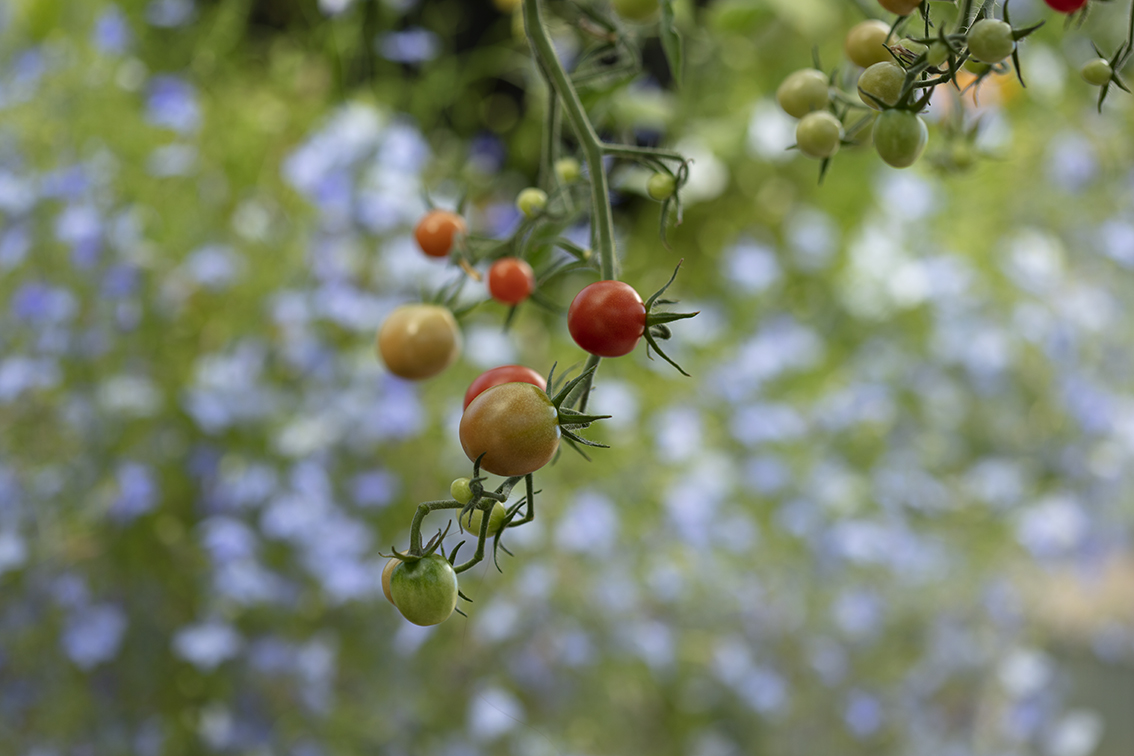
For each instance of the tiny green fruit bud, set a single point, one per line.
(661, 186)
(461, 491)
(1097, 72)
(531, 201)
(567, 170)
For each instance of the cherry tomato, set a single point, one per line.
(882, 81)
(514, 425)
(865, 44)
(510, 280)
(460, 490)
(900, 137)
(425, 590)
(990, 40)
(419, 341)
(1097, 72)
(803, 91)
(1065, 6)
(607, 318)
(636, 10)
(937, 55)
(901, 7)
(387, 571)
(531, 201)
(499, 375)
(472, 521)
(661, 186)
(567, 170)
(818, 135)
(436, 230)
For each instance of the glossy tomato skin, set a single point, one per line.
(803, 91)
(387, 573)
(990, 40)
(865, 43)
(502, 374)
(511, 280)
(900, 137)
(882, 82)
(425, 590)
(607, 318)
(437, 230)
(1065, 6)
(418, 341)
(514, 425)
(818, 134)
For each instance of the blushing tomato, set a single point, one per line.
(511, 280)
(514, 425)
(1065, 6)
(419, 341)
(437, 231)
(607, 318)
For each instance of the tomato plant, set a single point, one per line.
(990, 40)
(803, 91)
(514, 425)
(865, 43)
(502, 374)
(900, 137)
(511, 280)
(881, 83)
(817, 135)
(425, 589)
(419, 341)
(437, 231)
(607, 318)
(1097, 72)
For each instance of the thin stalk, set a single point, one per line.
(551, 138)
(422, 510)
(633, 153)
(602, 219)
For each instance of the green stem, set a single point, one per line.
(633, 153)
(592, 146)
(422, 510)
(551, 138)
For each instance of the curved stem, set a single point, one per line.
(423, 509)
(592, 146)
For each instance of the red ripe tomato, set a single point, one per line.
(503, 374)
(435, 232)
(510, 280)
(607, 318)
(1066, 6)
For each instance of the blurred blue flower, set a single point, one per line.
(414, 45)
(15, 243)
(492, 712)
(120, 280)
(678, 433)
(766, 423)
(858, 612)
(172, 160)
(13, 551)
(376, 488)
(402, 151)
(1071, 161)
(863, 714)
(214, 266)
(69, 183)
(112, 33)
(93, 635)
(1052, 527)
(829, 660)
(1116, 240)
(764, 690)
(349, 135)
(41, 304)
(750, 266)
(589, 524)
(813, 236)
(170, 13)
(207, 645)
(18, 194)
(19, 374)
(81, 227)
(172, 103)
(487, 153)
(137, 492)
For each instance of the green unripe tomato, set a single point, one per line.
(387, 571)
(424, 590)
(990, 40)
(531, 201)
(636, 10)
(937, 55)
(471, 521)
(567, 170)
(460, 490)
(661, 186)
(1097, 72)
(865, 44)
(803, 91)
(882, 81)
(818, 134)
(916, 48)
(900, 137)
(972, 65)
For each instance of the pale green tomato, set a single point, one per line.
(661, 186)
(972, 65)
(803, 91)
(938, 54)
(567, 170)
(990, 40)
(900, 137)
(882, 81)
(636, 10)
(531, 201)
(471, 521)
(818, 134)
(460, 490)
(424, 590)
(1097, 72)
(865, 44)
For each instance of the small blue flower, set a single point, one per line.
(207, 645)
(376, 488)
(170, 13)
(112, 32)
(137, 492)
(93, 635)
(863, 714)
(414, 45)
(172, 103)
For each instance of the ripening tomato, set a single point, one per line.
(437, 230)
(865, 44)
(419, 341)
(901, 7)
(473, 520)
(1065, 6)
(514, 425)
(424, 590)
(511, 280)
(499, 375)
(990, 40)
(818, 135)
(883, 82)
(607, 318)
(803, 91)
(900, 137)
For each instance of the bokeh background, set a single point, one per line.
(890, 513)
